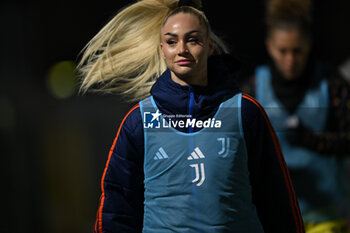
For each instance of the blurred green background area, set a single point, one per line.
(55, 141)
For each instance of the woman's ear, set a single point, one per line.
(211, 46)
(268, 45)
(161, 50)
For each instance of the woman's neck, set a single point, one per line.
(199, 80)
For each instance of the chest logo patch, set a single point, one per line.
(160, 154)
(225, 145)
(199, 170)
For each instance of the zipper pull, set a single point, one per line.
(190, 108)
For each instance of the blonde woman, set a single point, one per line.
(195, 154)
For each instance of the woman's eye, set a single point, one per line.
(193, 40)
(283, 51)
(170, 42)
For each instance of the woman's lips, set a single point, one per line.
(183, 62)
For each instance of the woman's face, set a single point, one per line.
(185, 47)
(289, 49)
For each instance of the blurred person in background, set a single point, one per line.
(229, 178)
(344, 69)
(309, 107)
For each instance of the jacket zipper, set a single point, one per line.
(190, 108)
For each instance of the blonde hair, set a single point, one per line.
(125, 57)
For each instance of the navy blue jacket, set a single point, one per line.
(121, 202)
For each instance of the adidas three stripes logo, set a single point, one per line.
(161, 154)
(196, 154)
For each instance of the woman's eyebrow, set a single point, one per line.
(170, 34)
(186, 34)
(191, 32)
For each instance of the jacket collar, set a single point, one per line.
(173, 98)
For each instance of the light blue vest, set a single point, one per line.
(320, 181)
(197, 182)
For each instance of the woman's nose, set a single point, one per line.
(290, 59)
(182, 49)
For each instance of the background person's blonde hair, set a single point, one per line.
(124, 57)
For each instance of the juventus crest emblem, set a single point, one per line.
(197, 155)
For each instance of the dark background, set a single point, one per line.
(54, 148)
